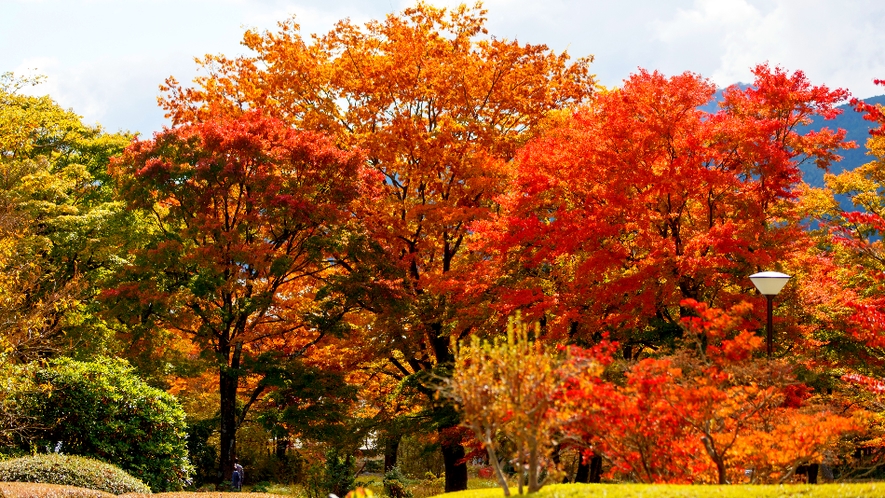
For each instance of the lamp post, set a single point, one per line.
(769, 284)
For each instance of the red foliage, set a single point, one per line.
(873, 385)
(241, 211)
(641, 200)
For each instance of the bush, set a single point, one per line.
(339, 477)
(102, 410)
(203, 454)
(41, 490)
(261, 487)
(71, 471)
(420, 454)
(395, 484)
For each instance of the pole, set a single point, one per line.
(769, 326)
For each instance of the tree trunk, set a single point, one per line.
(556, 457)
(812, 473)
(391, 448)
(534, 469)
(595, 469)
(227, 389)
(720, 468)
(453, 451)
(281, 447)
(496, 465)
(456, 469)
(716, 457)
(583, 472)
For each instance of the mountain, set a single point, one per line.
(857, 129)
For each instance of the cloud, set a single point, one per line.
(105, 58)
(118, 93)
(837, 44)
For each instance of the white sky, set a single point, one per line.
(105, 58)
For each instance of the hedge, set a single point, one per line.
(70, 470)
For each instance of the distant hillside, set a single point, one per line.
(857, 129)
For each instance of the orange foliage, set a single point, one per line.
(709, 414)
(438, 110)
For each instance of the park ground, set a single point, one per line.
(835, 490)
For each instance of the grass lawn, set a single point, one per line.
(853, 490)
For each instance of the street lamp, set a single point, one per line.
(769, 284)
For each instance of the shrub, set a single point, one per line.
(102, 410)
(420, 454)
(395, 484)
(41, 490)
(339, 476)
(261, 487)
(203, 454)
(71, 471)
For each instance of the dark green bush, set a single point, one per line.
(395, 484)
(71, 471)
(102, 410)
(203, 454)
(339, 477)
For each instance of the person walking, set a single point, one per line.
(236, 480)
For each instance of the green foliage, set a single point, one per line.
(101, 409)
(70, 471)
(13, 422)
(203, 455)
(261, 487)
(395, 484)
(419, 455)
(60, 228)
(339, 475)
(307, 401)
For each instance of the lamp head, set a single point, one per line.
(769, 283)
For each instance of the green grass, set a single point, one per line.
(853, 490)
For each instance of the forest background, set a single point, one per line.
(298, 256)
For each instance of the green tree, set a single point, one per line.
(58, 225)
(102, 409)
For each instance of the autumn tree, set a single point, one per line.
(642, 199)
(711, 410)
(633, 425)
(752, 412)
(439, 110)
(243, 211)
(511, 389)
(60, 230)
(854, 245)
(846, 291)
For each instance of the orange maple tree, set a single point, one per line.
(439, 110)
